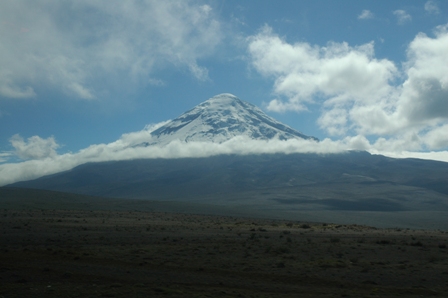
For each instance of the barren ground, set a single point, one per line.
(79, 253)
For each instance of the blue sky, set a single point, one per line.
(372, 74)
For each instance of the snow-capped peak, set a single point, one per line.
(221, 118)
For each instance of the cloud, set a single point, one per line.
(84, 48)
(402, 16)
(4, 156)
(276, 105)
(359, 94)
(129, 147)
(365, 14)
(437, 138)
(432, 7)
(126, 148)
(156, 82)
(334, 120)
(304, 73)
(34, 148)
(425, 92)
(9, 90)
(439, 155)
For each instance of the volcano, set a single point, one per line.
(221, 118)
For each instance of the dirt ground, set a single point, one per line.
(63, 253)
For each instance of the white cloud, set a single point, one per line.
(334, 120)
(85, 48)
(407, 141)
(432, 7)
(437, 138)
(303, 71)
(438, 155)
(4, 156)
(156, 82)
(80, 91)
(402, 16)
(126, 148)
(425, 92)
(279, 106)
(343, 75)
(359, 94)
(34, 148)
(10, 90)
(366, 14)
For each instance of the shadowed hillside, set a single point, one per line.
(355, 187)
(350, 181)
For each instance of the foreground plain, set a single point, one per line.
(109, 253)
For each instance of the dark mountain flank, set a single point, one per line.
(349, 181)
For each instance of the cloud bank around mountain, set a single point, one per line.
(42, 159)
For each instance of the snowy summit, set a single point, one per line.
(221, 118)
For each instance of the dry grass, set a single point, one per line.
(80, 253)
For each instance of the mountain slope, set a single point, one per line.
(351, 181)
(221, 118)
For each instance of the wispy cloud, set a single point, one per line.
(432, 7)
(11, 90)
(402, 16)
(156, 82)
(365, 15)
(90, 50)
(4, 156)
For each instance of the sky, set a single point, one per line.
(82, 80)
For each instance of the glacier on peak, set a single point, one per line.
(221, 118)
